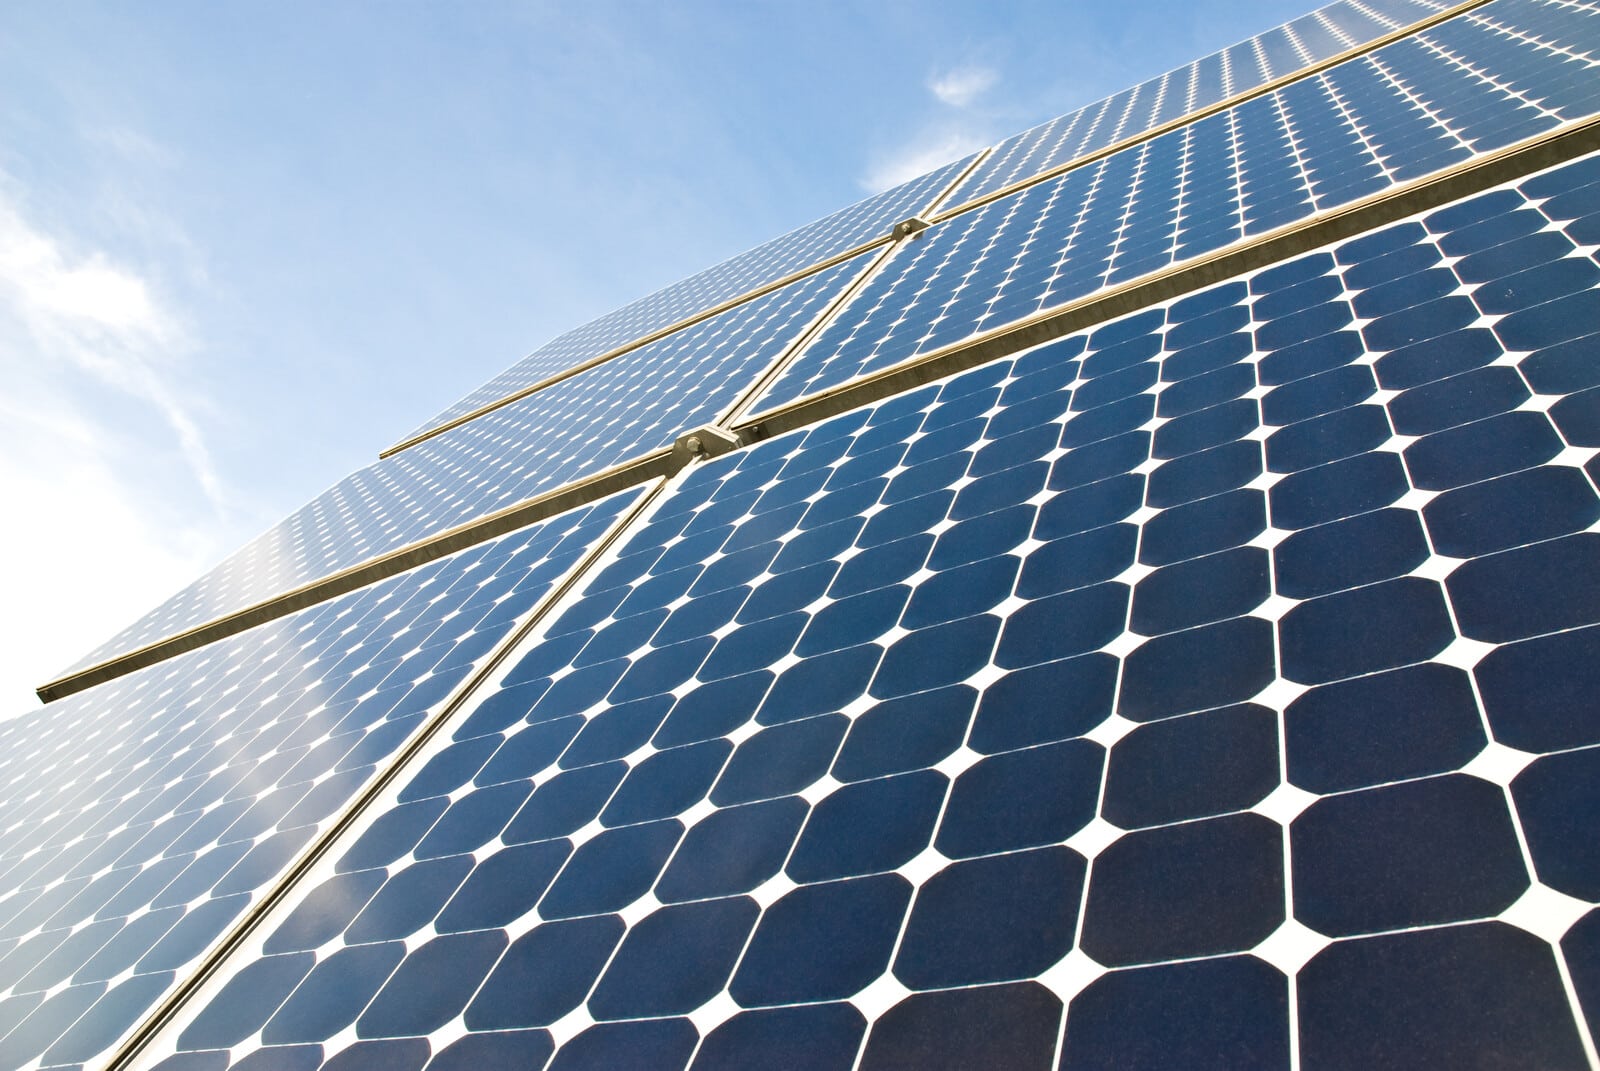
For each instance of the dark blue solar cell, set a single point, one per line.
(1510, 511)
(1386, 727)
(474, 820)
(409, 900)
(1372, 628)
(1557, 585)
(820, 684)
(325, 911)
(1231, 1012)
(1341, 489)
(1552, 322)
(1210, 356)
(1098, 461)
(822, 942)
(189, 1061)
(1457, 400)
(1578, 418)
(663, 669)
(450, 769)
(1002, 489)
(1372, 246)
(961, 592)
(406, 1055)
(577, 692)
(700, 616)
(1210, 472)
(1004, 918)
(659, 1044)
(929, 476)
(1010, 1026)
(333, 994)
(1557, 802)
(733, 850)
(1437, 358)
(868, 826)
(854, 620)
(1078, 560)
(1207, 390)
(1205, 429)
(1431, 851)
(1203, 527)
(788, 591)
(1348, 553)
(909, 733)
(1192, 767)
(1313, 322)
(981, 537)
(614, 733)
(1115, 386)
(1044, 703)
(193, 934)
(882, 565)
(1108, 421)
(1571, 366)
(1021, 799)
(666, 783)
(735, 570)
(752, 647)
(1403, 292)
(30, 1038)
(432, 986)
(780, 761)
(509, 1049)
(1542, 283)
(1005, 454)
(1200, 888)
(674, 959)
(622, 637)
(611, 871)
(246, 1002)
(1061, 626)
(1212, 666)
(815, 1037)
(1465, 996)
(545, 974)
(1327, 438)
(1317, 395)
(1581, 948)
(903, 520)
(1199, 591)
(820, 544)
(936, 656)
(565, 803)
(503, 887)
(282, 1058)
(1539, 694)
(713, 710)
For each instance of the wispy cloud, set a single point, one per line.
(961, 87)
(934, 146)
(95, 415)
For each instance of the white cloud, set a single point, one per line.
(960, 87)
(94, 416)
(933, 147)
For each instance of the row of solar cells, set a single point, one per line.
(1223, 672)
(142, 817)
(1324, 33)
(1400, 113)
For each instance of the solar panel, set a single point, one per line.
(1206, 688)
(1321, 35)
(146, 815)
(615, 412)
(1400, 113)
(766, 263)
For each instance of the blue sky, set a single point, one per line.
(245, 246)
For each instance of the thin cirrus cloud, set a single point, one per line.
(951, 130)
(93, 358)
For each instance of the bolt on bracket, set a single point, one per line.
(702, 443)
(909, 226)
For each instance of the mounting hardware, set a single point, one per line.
(907, 227)
(701, 443)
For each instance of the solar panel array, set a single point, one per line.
(144, 816)
(1402, 112)
(1211, 687)
(766, 263)
(1319, 36)
(611, 414)
(1099, 705)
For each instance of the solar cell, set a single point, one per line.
(613, 413)
(143, 817)
(1472, 84)
(1135, 700)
